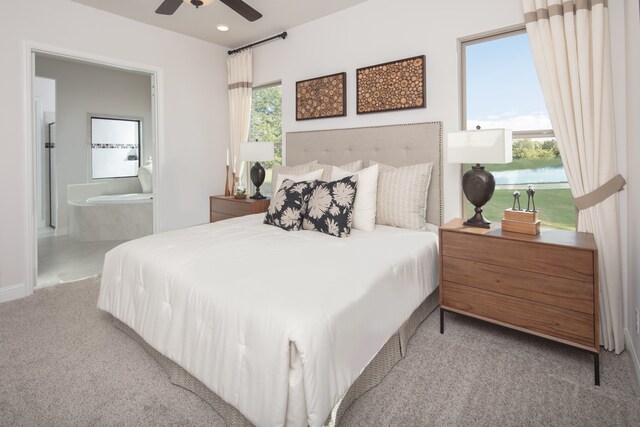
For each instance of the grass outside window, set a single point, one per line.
(556, 208)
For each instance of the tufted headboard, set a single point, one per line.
(395, 145)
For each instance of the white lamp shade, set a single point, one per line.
(256, 151)
(480, 146)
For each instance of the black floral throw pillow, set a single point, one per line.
(288, 205)
(330, 207)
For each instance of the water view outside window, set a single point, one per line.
(266, 126)
(502, 91)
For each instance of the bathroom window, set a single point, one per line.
(115, 147)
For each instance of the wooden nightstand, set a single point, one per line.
(545, 285)
(225, 207)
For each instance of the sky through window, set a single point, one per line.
(502, 86)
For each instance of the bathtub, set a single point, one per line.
(121, 198)
(111, 217)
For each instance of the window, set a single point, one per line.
(115, 147)
(266, 126)
(500, 89)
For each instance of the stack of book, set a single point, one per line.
(524, 222)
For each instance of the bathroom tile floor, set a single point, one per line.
(63, 259)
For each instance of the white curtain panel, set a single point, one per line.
(571, 50)
(240, 80)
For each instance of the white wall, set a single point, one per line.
(618, 59)
(82, 90)
(195, 112)
(378, 31)
(45, 89)
(632, 28)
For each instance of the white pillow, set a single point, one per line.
(364, 207)
(402, 195)
(349, 167)
(309, 176)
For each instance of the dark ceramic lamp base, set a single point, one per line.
(257, 178)
(478, 186)
(478, 220)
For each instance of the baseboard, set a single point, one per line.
(12, 292)
(634, 355)
(46, 231)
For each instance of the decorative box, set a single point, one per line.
(521, 222)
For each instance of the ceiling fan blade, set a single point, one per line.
(168, 7)
(240, 7)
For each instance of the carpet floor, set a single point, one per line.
(62, 362)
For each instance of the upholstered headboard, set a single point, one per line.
(395, 145)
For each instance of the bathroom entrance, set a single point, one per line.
(94, 155)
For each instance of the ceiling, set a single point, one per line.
(277, 16)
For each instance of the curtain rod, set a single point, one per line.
(282, 35)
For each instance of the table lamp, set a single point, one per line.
(479, 146)
(257, 152)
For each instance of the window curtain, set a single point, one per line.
(240, 80)
(571, 49)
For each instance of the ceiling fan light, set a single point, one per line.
(204, 2)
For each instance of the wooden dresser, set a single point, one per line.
(546, 285)
(225, 207)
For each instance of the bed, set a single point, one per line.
(283, 328)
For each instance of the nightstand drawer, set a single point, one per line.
(521, 314)
(559, 261)
(557, 291)
(225, 207)
(230, 207)
(217, 216)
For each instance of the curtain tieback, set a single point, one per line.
(601, 193)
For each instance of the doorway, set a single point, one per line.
(68, 241)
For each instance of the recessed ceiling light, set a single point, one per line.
(223, 27)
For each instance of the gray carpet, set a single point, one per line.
(63, 363)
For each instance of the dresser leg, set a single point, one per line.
(441, 320)
(596, 367)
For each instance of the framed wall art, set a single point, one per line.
(395, 85)
(322, 97)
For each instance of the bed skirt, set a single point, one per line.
(390, 354)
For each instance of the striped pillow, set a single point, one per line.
(327, 169)
(291, 170)
(402, 195)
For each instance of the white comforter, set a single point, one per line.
(279, 324)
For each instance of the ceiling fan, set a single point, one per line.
(168, 7)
